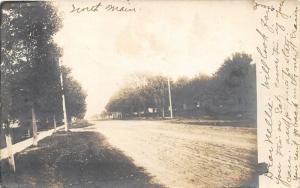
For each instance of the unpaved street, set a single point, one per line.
(127, 154)
(180, 155)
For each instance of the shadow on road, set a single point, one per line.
(74, 159)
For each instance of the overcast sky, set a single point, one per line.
(176, 38)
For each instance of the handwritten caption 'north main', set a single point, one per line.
(107, 7)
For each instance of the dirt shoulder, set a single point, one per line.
(74, 159)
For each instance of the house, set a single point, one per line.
(116, 115)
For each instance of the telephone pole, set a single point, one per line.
(170, 98)
(63, 99)
(170, 95)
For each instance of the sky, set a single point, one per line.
(173, 38)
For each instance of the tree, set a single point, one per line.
(236, 84)
(27, 67)
(229, 92)
(75, 96)
(144, 91)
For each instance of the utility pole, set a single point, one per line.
(170, 98)
(170, 95)
(63, 99)
(163, 100)
(163, 103)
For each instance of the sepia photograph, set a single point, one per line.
(142, 94)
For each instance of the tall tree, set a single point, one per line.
(231, 91)
(75, 96)
(236, 83)
(26, 44)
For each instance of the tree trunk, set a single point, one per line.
(29, 132)
(9, 147)
(54, 123)
(34, 127)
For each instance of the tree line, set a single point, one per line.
(31, 91)
(229, 93)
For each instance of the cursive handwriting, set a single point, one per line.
(106, 7)
(271, 8)
(277, 58)
(85, 9)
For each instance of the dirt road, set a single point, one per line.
(128, 154)
(181, 155)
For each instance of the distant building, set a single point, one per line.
(116, 115)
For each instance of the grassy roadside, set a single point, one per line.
(74, 159)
